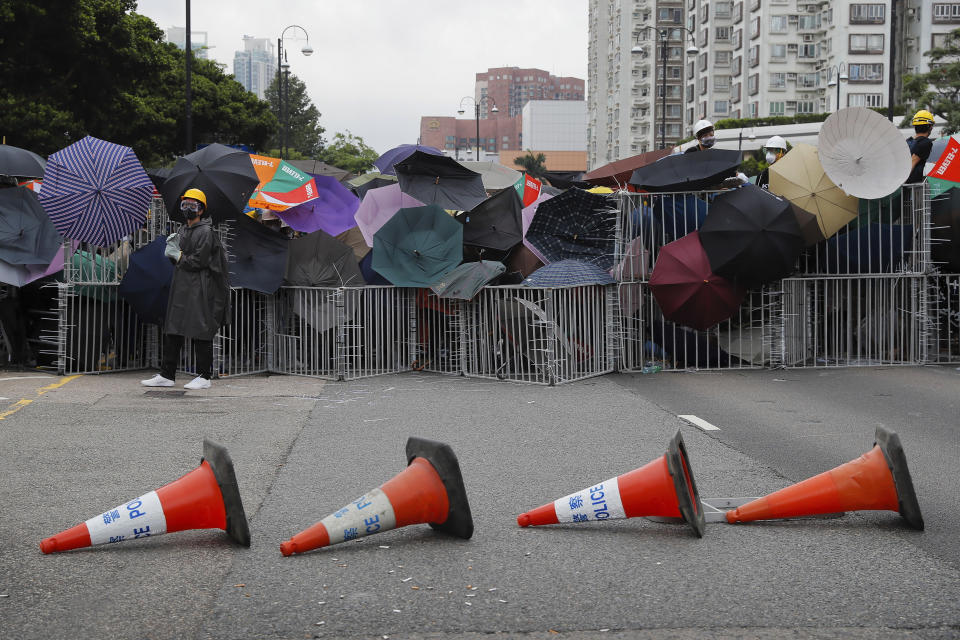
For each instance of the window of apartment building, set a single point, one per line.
(806, 106)
(778, 24)
(690, 70)
(808, 22)
(776, 108)
(738, 12)
(690, 93)
(722, 9)
(864, 13)
(675, 73)
(736, 65)
(755, 28)
(703, 61)
(674, 110)
(778, 81)
(872, 72)
(721, 83)
(754, 5)
(705, 12)
(754, 56)
(690, 114)
(722, 34)
(808, 80)
(946, 12)
(704, 34)
(674, 53)
(866, 43)
(673, 91)
(703, 85)
(721, 106)
(864, 99)
(778, 52)
(754, 109)
(721, 59)
(670, 15)
(737, 38)
(807, 51)
(735, 92)
(753, 84)
(938, 40)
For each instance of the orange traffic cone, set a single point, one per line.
(205, 498)
(877, 480)
(664, 487)
(430, 490)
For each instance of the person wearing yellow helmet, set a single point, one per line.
(199, 301)
(920, 144)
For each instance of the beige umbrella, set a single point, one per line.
(800, 178)
(863, 153)
(353, 238)
(495, 176)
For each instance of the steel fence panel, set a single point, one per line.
(943, 325)
(307, 326)
(439, 343)
(375, 338)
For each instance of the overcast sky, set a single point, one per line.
(378, 65)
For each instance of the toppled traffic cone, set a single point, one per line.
(205, 498)
(664, 488)
(429, 491)
(878, 480)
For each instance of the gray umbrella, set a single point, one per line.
(27, 236)
(15, 161)
(440, 180)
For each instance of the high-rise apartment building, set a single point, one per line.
(255, 66)
(756, 58)
(510, 88)
(198, 40)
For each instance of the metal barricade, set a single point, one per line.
(540, 335)
(750, 339)
(854, 321)
(308, 323)
(438, 343)
(943, 325)
(378, 331)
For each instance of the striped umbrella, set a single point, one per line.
(96, 191)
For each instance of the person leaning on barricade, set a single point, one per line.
(706, 138)
(920, 144)
(775, 149)
(199, 302)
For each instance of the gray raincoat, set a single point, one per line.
(200, 292)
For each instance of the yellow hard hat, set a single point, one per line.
(196, 194)
(922, 117)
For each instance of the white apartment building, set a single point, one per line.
(198, 40)
(554, 125)
(256, 66)
(926, 24)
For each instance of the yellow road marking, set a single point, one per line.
(22, 402)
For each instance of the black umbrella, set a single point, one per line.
(146, 283)
(751, 236)
(688, 171)
(27, 236)
(945, 234)
(20, 163)
(369, 275)
(158, 175)
(320, 260)
(374, 183)
(575, 225)
(440, 180)
(226, 176)
(494, 226)
(258, 256)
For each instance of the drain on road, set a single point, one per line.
(164, 394)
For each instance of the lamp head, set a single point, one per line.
(460, 112)
(843, 76)
(636, 49)
(692, 50)
(494, 109)
(832, 82)
(307, 50)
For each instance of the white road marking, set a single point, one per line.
(699, 422)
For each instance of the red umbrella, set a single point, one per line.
(688, 292)
(617, 174)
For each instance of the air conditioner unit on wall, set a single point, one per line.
(808, 37)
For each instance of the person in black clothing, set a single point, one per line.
(706, 137)
(920, 144)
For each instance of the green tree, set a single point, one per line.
(303, 132)
(349, 152)
(939, 89)
(533, 165)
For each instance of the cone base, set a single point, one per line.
(459, 520)
(678, 464)
(889, 443)
(222, 465)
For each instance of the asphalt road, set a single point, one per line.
(303, 448)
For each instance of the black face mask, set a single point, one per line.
(191, 215)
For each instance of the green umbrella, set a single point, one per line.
(466, 280)
(417, 246)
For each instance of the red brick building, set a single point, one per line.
(510, 88)
(458, 136)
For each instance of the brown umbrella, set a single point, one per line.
(523, 261)
(617, 174)
(354, 239)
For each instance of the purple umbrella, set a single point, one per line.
(378, 206)
(331, 211)
(385, 162)
(527, 216)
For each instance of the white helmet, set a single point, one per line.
(776, 142)
(701, 125)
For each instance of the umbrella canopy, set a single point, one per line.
(353, 238)
(158, 175)
(369, 274)
(320, 168)
(523, 262)
(362, 184)
(495, 223)
(617, 174)
(320, 260)
(20, 163)
(568, 273)
(465, 281)
(27, 236)
(809, 226)
(874, 248)
(937, 150)
(378, 206)
(526, 215)
(751, 236)
(441, 181)
(688, 171)
(20, 275)
(494, 175)
(417, 246)
(281, 185)
(146, 283)
(945, 173)
(687, 289)
(398, 154)
(91, 267)
(96, 191)
(800, 178)
(331, 211)
(226, 176)
(575, 225)
(945, 232)
(257, 256)
(863, 153)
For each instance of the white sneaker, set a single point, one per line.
(197, 383)
(157, 381)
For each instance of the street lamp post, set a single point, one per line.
(282, 67)
(188, 93)
(663, 37)
(838, 74)
(476, 107)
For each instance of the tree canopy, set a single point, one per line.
(304, 134)
(939, 89)
(349, 152)
(533, 165)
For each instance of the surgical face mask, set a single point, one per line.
(771, 157)
(708, 141)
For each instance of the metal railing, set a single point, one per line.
(943, 319)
